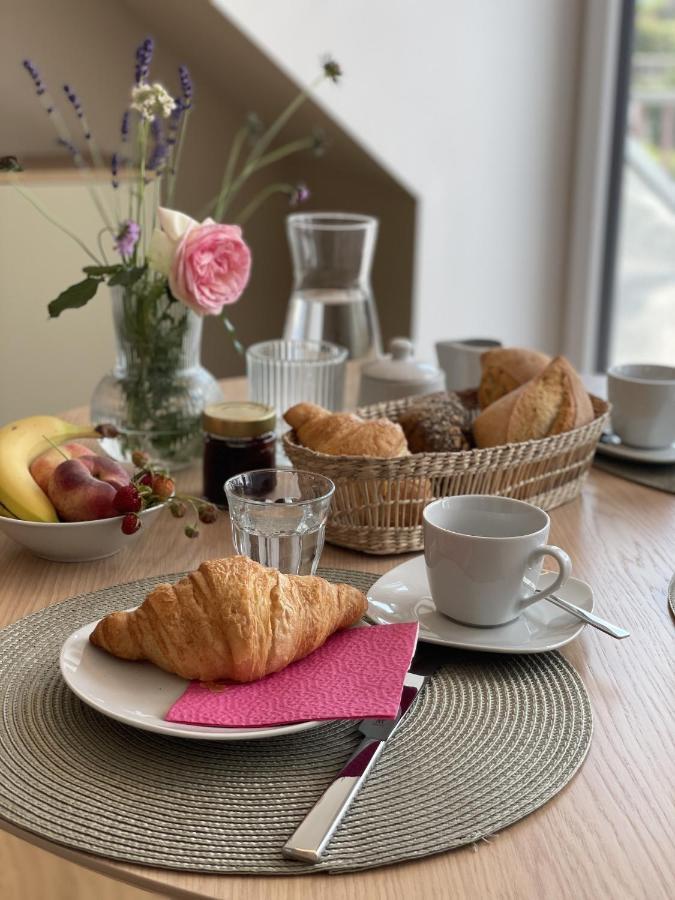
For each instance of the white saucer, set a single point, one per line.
(402, 595)
(140, 694)
(611, 445)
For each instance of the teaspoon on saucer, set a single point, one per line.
(590, 618)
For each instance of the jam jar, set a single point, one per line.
(238, 437)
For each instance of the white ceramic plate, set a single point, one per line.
(402, 595)
(140, 694)
(611, 445)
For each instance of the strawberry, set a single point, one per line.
(163, 486)
(127, 500)
(131, 523)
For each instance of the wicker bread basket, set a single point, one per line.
(378, 503)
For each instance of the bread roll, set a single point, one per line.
(506, 368)
(551, 403)
(435, 424)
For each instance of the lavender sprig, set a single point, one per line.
(177, 127)
(185, 86)
(160, 148)
(143, 59)
(64, 137)
(96, 155)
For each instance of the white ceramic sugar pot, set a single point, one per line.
(398, 374)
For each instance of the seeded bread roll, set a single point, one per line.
(435, 425)
(551, 403)
(506, 368)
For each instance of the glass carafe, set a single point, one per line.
(332, 299)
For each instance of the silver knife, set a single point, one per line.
(310, 839)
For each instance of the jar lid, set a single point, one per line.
(401, 366)
(235, 418)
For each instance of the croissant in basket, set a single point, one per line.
(377, 503)
(231, 619)
(345, 434)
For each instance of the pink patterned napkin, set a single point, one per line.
(355, 675)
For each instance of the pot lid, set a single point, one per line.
(400, 365)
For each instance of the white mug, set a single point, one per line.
(460, 360)
(483, 556)
(643, 404)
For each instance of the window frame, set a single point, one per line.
(604, 82)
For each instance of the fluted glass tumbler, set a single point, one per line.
(332, 299)
(283, 373)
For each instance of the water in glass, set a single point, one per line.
(279, 516)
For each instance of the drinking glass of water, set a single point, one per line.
(279, 517)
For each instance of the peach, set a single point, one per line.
(84, 489)
(41, 468)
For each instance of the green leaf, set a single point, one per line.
(75, 296)
(126, 277)
(101, 270)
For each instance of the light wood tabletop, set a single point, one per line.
(608, 834)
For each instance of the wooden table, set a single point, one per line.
(609, 834)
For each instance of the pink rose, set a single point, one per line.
(210, 267)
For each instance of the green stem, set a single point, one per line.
(33, 202)
(260, 163)
(285, 150)
(97, 159)
(260, 198)
(100, 245)
(142, 149)
(282, 119)
(255, 159)
(175, 160)
(55, 446)
(235, 150)
(229, 327)
(65, 136)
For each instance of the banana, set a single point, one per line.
(20, 443)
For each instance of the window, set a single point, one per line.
(640, 304)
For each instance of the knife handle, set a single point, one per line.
(310, 839)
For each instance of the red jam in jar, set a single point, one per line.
(238, 437)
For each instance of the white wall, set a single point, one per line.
(472, 106)
(47, 366)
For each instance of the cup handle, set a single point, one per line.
(565, 567)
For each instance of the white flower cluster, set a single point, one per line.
(152, 100)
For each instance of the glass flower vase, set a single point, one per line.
(158, 388)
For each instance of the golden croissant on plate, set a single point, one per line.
(231, 619)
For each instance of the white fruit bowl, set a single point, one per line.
(75, 541)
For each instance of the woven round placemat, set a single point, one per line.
(490, 739)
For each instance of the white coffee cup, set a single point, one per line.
(483, 556)
(460, 360)
(643, 404)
